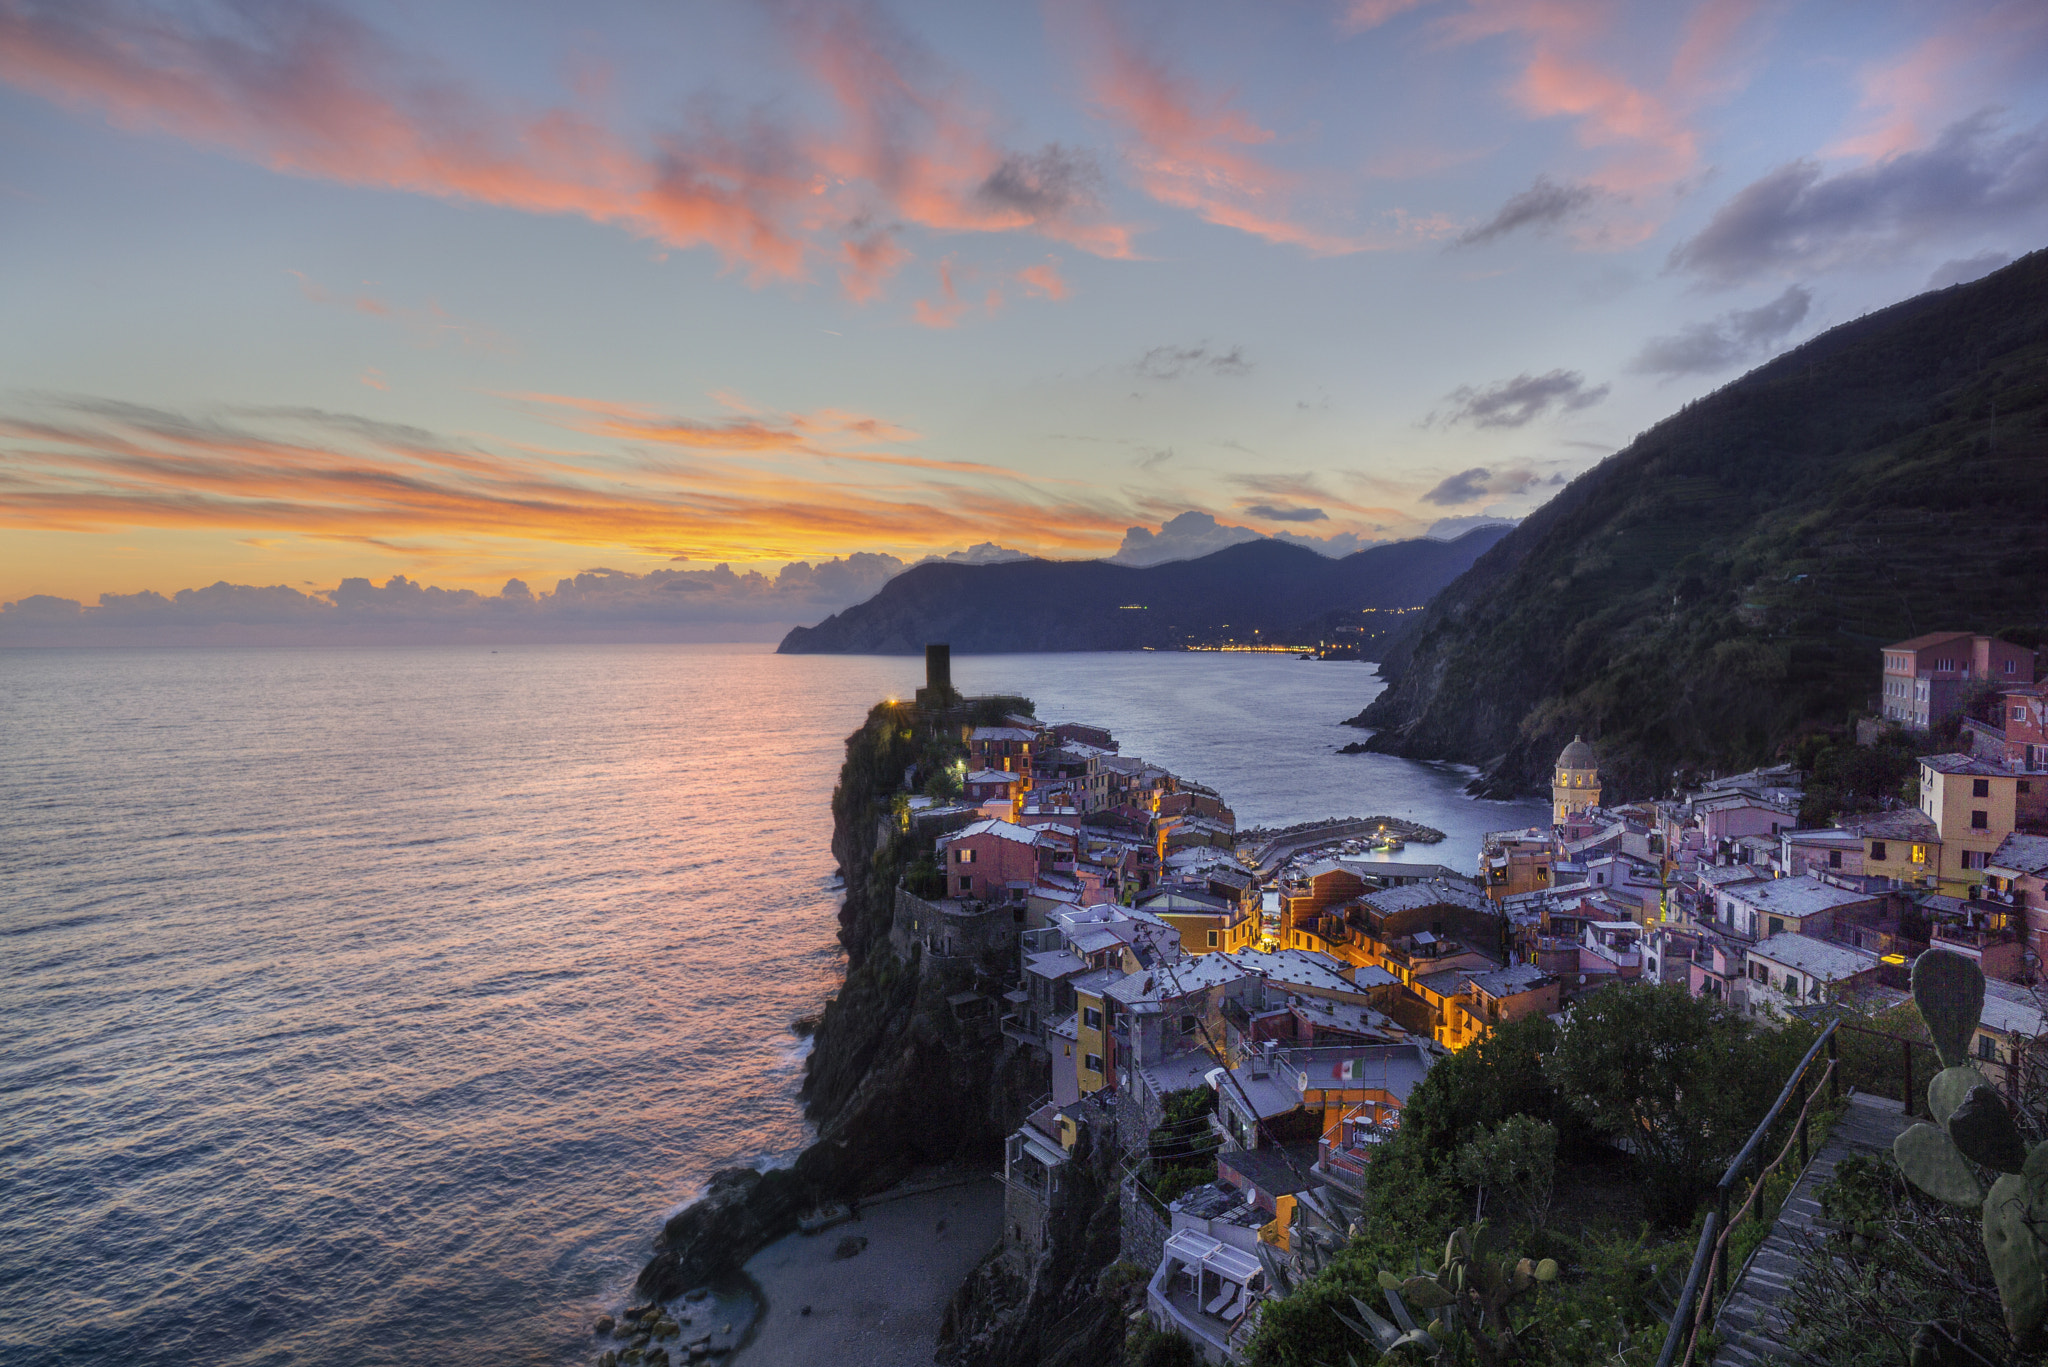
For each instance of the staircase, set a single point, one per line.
(1748, 1323)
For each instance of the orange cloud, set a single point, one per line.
(100, 465)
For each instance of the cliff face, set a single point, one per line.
(1261, 590)
(1725, 582)
(895, 1081)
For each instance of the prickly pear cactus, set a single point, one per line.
(1973, 1127)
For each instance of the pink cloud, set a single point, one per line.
(1977, 50)
(1190, 147)
(1360, 15)
(950, 307)
(1044, 281)
(867, 262)
(305, 89)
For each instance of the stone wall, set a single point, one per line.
(1144, 1229)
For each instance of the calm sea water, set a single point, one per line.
(369, 1006)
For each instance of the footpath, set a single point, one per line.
(1749, 1323)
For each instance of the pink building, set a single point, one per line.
(1924, 678)
(990, 859)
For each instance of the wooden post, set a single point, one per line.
(1720, 1287)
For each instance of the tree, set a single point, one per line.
(1679, 1081)
(1516, 1159)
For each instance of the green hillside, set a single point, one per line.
(1723, 584)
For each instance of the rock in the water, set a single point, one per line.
(696, 1294)
(604, 1325)
(850, 1246)
(631, 1356)
(610, 1359)
(725, 1329)
(666, 1328)
(805, 1311)
(635, 1312)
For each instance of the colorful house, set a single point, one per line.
(1925, 678)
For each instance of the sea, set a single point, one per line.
(368, 1006)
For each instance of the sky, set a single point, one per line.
(722, 314)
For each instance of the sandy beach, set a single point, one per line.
(882, 1307)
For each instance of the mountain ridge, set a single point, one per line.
(1723, 583)
(1263, 591)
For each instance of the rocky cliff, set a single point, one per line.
(895, 1081)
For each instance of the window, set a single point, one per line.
(2019, 714)
(1980, 787)
(1212, 939)
(963, 856)
(1987, 1048)
(1980, 821)
(1091, 1018)
(966, 883)
(1188, 1025)
(1777, 925)
(1877, 851)
(1092, 1062)
(1759, 973)
(1834, 859)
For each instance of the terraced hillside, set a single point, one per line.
(1722, 585)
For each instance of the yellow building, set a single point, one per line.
(1207, 923)
(1091, 1048)
(1575, 788)
(1974, 807)
(1903, 845)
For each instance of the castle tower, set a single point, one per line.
(1576, 786)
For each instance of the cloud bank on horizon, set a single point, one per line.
(594, 605)
(327, 292)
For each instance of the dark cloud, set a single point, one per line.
(1963, 270)
(1543, 205)
(1736, 336)
(1152, 457)
(1046, 185)
(1517, 402)
(1275, 514)
(1172, 362)
(1467, 486)
(1799, 218)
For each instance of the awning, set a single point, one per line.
(1233, 1264)
(1191, 1246)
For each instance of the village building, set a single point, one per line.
(1575, 786)
(1925, 678)
(1790, 970)
(1973, 805)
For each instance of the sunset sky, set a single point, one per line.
(296, 292)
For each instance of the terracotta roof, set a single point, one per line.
(1933, 638)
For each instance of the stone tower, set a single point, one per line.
(1576, 785)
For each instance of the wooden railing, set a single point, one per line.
(1706, 1284)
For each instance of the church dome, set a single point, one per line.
(1577, 755)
